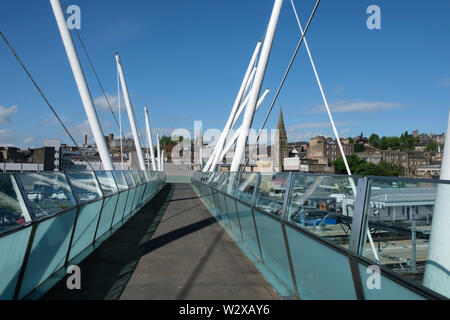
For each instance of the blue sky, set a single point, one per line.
(186, 59)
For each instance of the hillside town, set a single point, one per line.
(410, 155)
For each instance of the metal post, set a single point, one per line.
(259, 77)
(437, 268)
(158, 151)
(149, 137)
(238, 131)
(224, 134)
(83, 89)
(287, 195)
(254, 198)
(130, 112)
(413, 245)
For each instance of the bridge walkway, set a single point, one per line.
(172, 249)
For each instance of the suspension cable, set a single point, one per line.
(45, 98)
(282, 82)
(95, 72)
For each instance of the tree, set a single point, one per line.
(359, 147)
(361, 167)
(351, 141)
(434, 145)
(374, 140)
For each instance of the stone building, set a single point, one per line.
(280, 147)
(326, 151)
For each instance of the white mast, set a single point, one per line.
(238, 131)
(120, 118)
(149, 137)
(158, 151)
(130, 112)
(83, 89)
(162, 160)
(437, 267)
(338, 140)
(244, 85)
(254, 93)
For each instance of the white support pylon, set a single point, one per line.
(244, 85)
(158, 151)
(338, 140)
(237, 133)
(82, 86)
(257, 84)
(149, 138)
(130, 112)
(437, 268)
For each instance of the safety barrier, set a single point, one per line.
(316, 236)
(50, 220)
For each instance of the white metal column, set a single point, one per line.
(83, 89)
(130, 112)
(254, 93)
(437, 270)
(158, 151)
(149, 137)
(244, 85)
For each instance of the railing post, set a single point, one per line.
(101, 209)
(233, 195)
(358, 216)
(255, 194)
(74, 222)
(287, 195)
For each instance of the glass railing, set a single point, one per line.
(49, 220)
(316, 236)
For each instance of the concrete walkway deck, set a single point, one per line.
(172, 249)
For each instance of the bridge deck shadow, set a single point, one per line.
(171, 249)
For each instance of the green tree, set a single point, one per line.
(361, 167)
(374, 140)
(433, 146)
(359, 147)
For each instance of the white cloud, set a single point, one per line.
(297, 132)
(445, 82)
(29, 140)
(6, 113)
(102, 104)
(7, 137)
(359, 106)
(305, 136)
(344, 131)
(325, 124)
(44, 122)
(78, 131)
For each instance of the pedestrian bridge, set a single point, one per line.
(224, 236)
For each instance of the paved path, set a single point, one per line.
(172, 249)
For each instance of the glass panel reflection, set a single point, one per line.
(107, 183)
(84, 185)
(246, 186)
(11, 211)
(400, 215)
(323, 205)
(129, 178)
(271, 191)
(120, 180)
(46, 193)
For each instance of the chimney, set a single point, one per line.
(85, 140)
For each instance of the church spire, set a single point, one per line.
(280, 125)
